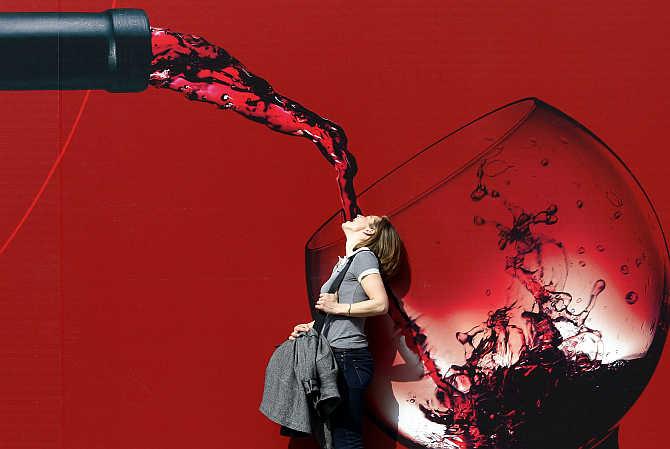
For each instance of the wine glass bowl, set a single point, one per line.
(531, 310)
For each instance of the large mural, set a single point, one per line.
(531, 307)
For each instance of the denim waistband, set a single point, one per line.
(350, 350)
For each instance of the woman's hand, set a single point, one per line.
(299, 328)
(327, 303)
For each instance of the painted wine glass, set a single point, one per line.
(531, 308)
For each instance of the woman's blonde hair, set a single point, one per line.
(386, 245)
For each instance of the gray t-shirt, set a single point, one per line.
(344, 331)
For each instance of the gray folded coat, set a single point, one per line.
(300, 390)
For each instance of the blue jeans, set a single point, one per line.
(355, 368)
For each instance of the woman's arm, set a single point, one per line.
(377, 304)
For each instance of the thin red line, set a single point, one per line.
(55, 165)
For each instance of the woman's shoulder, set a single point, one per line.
(366, 254)
(365, 262)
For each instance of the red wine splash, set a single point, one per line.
(205, 72)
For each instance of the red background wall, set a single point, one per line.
(141, 300)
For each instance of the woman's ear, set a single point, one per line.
(369, 231)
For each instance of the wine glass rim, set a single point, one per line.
(535, 104)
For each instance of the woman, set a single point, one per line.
(361, 294)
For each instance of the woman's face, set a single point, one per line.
(360, 223)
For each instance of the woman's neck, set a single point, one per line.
(349, 247)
